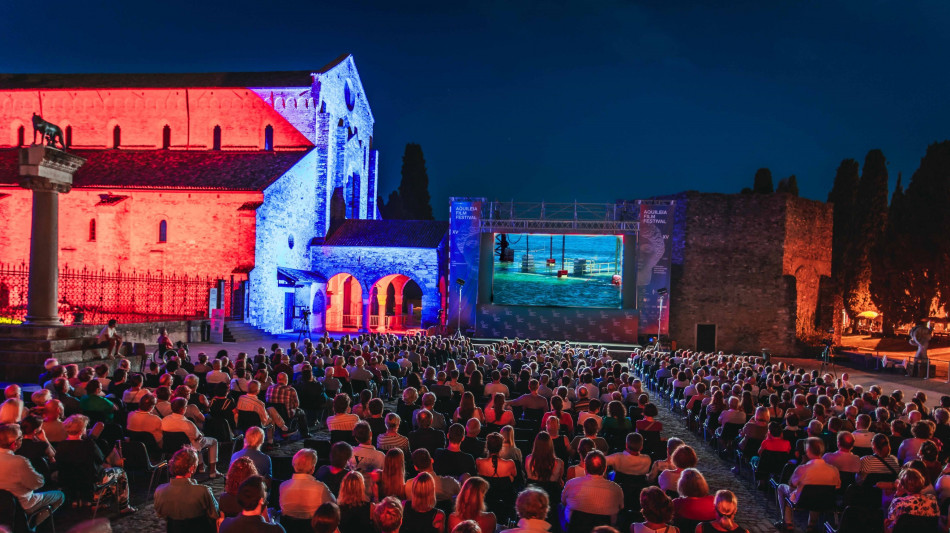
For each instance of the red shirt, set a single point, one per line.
(775, 444)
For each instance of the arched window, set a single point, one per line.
(116, 136)
(216, 144)
(69, 136)
(269, 137)
(166, 137)
(92, 230)
(163, 231)
(20, 136)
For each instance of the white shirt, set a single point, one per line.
(142, 421)
(592, 494)
(627, 463)
(366, 458)
(301, 495)
(177, 422)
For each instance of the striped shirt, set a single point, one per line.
(872, 464)
(388, 441)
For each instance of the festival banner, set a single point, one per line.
(654, 257)
(464, 217)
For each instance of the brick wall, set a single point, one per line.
(747, 263)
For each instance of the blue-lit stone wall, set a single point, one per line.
(370, 264)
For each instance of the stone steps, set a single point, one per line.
(243, 332)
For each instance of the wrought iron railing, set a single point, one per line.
(96, 296)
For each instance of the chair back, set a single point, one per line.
(295, 525)
(862, 451)
(282, 411)
(817, 498)
(11, 512)
(344, 435)
(172, 441)
(248, 419)
(582, 522)
(500, 495)
(915, 524)
(147, 439)
(199, 524)
(860, 520)
(135, 456)
(685, 524)
(873, 479)
(730, 431)
(631, 485)
(218, 428)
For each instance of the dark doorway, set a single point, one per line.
(288, 310)
(706, 337)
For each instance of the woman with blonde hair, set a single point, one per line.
(420, 514)
(392, 482)
(355, 509)
(509, 448)
(725, 522)
(694, 502)
(470, 505)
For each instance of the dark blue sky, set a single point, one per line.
(552, 100)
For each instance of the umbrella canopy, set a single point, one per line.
(869, 314)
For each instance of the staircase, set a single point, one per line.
(236, 331)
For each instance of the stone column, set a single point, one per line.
(381, 310)
(47, 172)
(366, 312)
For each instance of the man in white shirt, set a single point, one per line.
(496, 385)
(592, 493)
(862, 436)
(145, 420)
(18, 477)
(217, 375)
(177, 422)
(301, 495)
(366, 458)
(109, 338)
(268, 415)
(629, 461)
(814, 472)
(843, 459)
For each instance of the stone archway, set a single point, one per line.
(344, 303)
(393, 312)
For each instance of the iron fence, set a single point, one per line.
(95, 296)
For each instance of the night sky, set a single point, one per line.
(593, 101)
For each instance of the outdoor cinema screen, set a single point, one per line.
(557, 270)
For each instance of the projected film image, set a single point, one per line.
(557, 270)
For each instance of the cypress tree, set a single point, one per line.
(414, 187)
(843, 195)
(763, 182)
(789, 185)
(870, 217)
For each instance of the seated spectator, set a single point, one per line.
(446, 487)
(509, 448)
(862, 435)
(392, 480)
(471, 444)
(302, 494)
(268, 415)
(387, 515)
(332, 474)
(18, 477)
(590, 432)
(451, 460)
(557, 412)
(494, 466)
(426, 437)
(922, 432)
(813, 472)
(909, 500)
(844, 459)
(342, 419)
(95, 404)
(532, 400)
(110, 339)
(176, 422)
(725, 522)
(542, 465)
(470, 505)
(532, 506)
(647, 423)
(82, 455)
(467, 410)
(327, 519)
(53, 421)
(34, 445)
(880, 462)
(283, 394)
(162, 405)
(496, 413)
(355, 507)
(392, 438)
(617, 421)
(662, 465)
(428, 403)
(657, 510)
(592, 412)
(241, 469)
(133, 394)
(420, 514)
(695, 502)
(775, 440)
(592, 493)
(684, 457)
(366, 458)
(253, 440)
(181, 498)
(252, 497)
(629, 461)
(932, 467)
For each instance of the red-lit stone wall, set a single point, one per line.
(808, 228)
(207, 233)
(141, 115)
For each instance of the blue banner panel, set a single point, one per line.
(557, 323)
(464, 217)
(654, 256)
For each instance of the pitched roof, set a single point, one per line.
(169, 169)
(287, 78)
(389, 233)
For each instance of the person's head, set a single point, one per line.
(456, 434)
(10, 437)
(387, 515)
(352, 489)
(928, 451)
(305, 461)
(241, 469)
(76, 425)
(53, 410)
(30, 425)
(183, 462)
(634, 443)
(532, 503)
(421, 459)
(684, 457)
(392, 422)
(671, 445)
(881, 445)
(340, 453)
(595, 463)
(473, 427)
(650, 410)
(254, 438)
(911, 481)
(922, 430)
(251, 494)
(93, 387)
(423, 493)
(424, 418)
(692, 484)
(470, 503)
(362, 433)
(655, 505)
(590, 427)
(845, 441)
(862, 422)
(726, 504)
(326, 519)
(466, 526)
(494, 443)
(179, 405)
